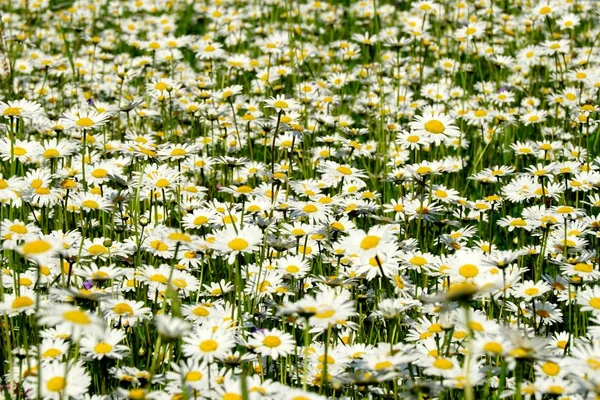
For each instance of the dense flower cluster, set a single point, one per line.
(299, 199)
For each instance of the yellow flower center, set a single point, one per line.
(21, 302)
(102, 348)
(201, 312)
(325, 314)
(180, 237)
(229, 219)
(369, 242)
(532, 291)
(180, 283)
(160, 278)
(193, 376)
(271, 341)
(208, 345)
(418, 261)
(90, 204)
(77, 317)
(13, 111)
(97, 249)
(595, 303)
(292, 269)
(201, 220)
(518, 222)
(344, 170)
(52, 353)
(583, 267)
(423, 170)
(162, 183)
(442, 363)
(264, 286)
(493, 347)
(159, 245)
(310, 208)
(137, 394)
(434, 126)
(85, 122)
(238, 244)
(280, 104)
(56, 384)
(565, 209)
(99, 173)
(19, 229)
(24, 281)
(244, 189)
(383, 365)
(468, 270)
(51, 153)
(36, 247)
(123, 309)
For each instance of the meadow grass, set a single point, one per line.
(299, 199)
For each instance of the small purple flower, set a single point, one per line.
(87, 284)
(90, 102)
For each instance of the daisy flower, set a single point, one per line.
(208, 344)
(54, 149)
(334, 173)
(435, 125)
(14, 304)
(589, 299)
(16, 109)
(24, 151)
(200, 217)
(61, 381)
(385, 263)
(441, 366)
(216, 289)
(77, 319)
(91, 202)
(16, 230)
(107, 345)
(232, 242)
(530, 290)
(193, 372)
(53, 348)
(273, 343)
(466, 266)
(533, 117)
(83, 119)
(209, 50)
(282, 104)
(313, 211)
(293, 266)
(39, 248)
(127, 312)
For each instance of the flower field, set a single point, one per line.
(299, 199)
